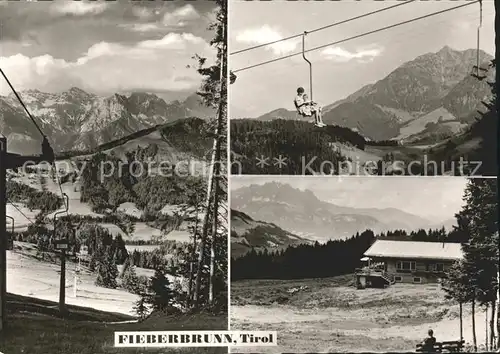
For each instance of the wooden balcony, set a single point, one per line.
(368, 273)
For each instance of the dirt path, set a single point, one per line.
(29, 277)
(342, 319)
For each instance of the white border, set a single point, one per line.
(228, 168)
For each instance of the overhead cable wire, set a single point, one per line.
(355, 37)
(34, 122)
(322, 28)
(406, 37)
(22, 103)
(20, 211)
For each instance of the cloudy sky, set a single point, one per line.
(434, 198)
(104, 47)
(339, 70)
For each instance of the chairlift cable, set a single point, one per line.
(355, 37)
(34, 122)
(322, 28)
(20, 212)
(22, 103)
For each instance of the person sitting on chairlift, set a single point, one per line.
(308, 108)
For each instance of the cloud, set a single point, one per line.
(152, 65)
(266, 34)
(341, 55)
(143, 27)
(79, 8)
(172, 41)
(181, 16)
(144, 13)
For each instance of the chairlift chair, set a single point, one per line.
(476, 67)
(310, 78)
(310, 74)
(298, 110)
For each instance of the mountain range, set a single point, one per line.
(432, 95)
(77, 120)
(303, 214)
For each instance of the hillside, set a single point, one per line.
(154, 200)
(35, 327)
(77, 120)
(433, 81)
(304, 214)
(415, 89)
(144, 213)
(247, 233)
(177, 141)
(280, 113)
(299, 142)
(477, 147)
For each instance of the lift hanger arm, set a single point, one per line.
(310, 64)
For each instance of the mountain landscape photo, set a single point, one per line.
(409, 92)
(279, 214)
(429, 106)
(313, 282)
(126, 190)
(433, 93)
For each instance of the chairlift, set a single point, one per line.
(310, 74)
(10, 241)
(476, 67)
(310, 77)
(66, 208)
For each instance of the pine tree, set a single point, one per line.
(459, 287)
(130, 281)
(140, 308)
(126, 265)
(160, 295)
(211, 91)
(476, 280)
(107, 271)
(214, 93)
(486, 128)
(482, 250)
